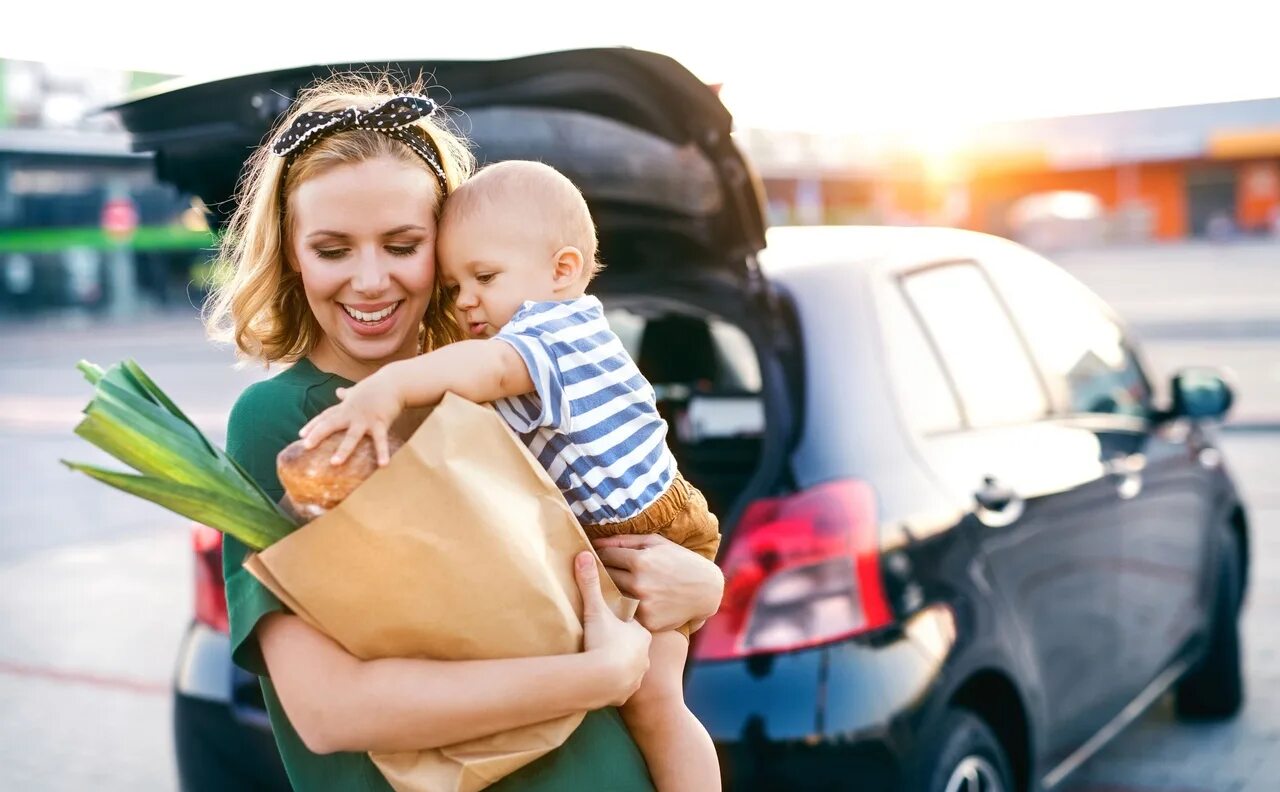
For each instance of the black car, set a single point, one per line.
(965, 542)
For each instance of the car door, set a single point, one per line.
(1160, 486)
(1046, 526)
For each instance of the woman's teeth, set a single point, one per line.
(371, 318)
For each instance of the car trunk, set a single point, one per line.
(678, 209)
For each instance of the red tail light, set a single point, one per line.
(800, 571)
(211, 596)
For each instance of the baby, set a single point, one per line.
(517, 249)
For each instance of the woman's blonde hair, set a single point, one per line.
(259, 304)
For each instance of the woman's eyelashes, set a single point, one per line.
(333, 254)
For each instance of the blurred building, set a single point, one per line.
(1209, 170)
(1169, 173)
(83, 222)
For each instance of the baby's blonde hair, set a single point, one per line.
(259, 304)
(556, 203)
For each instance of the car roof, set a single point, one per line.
(869, 248)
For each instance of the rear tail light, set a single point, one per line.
(800, 571)
(211, 596)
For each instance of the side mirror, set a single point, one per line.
(1200, 393)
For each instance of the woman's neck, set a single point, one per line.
(330, 359)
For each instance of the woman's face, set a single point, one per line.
(364, 243)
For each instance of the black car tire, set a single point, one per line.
(961, 745)
(1214, 688)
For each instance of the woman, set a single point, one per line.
(333, 270)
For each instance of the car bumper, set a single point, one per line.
(222, 738)
(839, 717)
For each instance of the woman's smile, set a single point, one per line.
(372, 318)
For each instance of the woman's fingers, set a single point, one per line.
(624, 580)
(630, 541)
(618, 557)
(588, 577)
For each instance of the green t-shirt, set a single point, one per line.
(600, 755)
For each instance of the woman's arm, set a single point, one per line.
(674, 585)
(337, 702)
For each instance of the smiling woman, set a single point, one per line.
(335, 231)
(332, 264)
(363, 244)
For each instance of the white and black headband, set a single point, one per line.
(395, 118)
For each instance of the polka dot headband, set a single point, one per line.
(394, 118)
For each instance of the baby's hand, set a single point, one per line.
(367, 408)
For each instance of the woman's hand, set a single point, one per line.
(674, 585)
(621, 647)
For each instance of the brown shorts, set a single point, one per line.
(681, 515)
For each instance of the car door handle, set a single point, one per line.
(998, 505)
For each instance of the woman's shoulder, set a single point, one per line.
(268, 401)
(287, 398)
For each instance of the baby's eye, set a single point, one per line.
(486, 277)
(452, 291)
(402, 250)
(330, 254)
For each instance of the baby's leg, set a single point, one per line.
(675, 744)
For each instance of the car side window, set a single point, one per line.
(979, 345)
(923, 393)
(1086, 361)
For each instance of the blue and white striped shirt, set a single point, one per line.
(591, 421)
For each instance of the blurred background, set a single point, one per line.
(1137, 145)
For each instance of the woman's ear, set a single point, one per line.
(569, 265)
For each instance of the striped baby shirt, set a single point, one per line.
(591, 421)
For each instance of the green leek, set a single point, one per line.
(132, 420)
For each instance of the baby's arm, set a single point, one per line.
(479, 370)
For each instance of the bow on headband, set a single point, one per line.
(394, 117)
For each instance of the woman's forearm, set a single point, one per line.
(338, 702)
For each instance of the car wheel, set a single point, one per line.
(962, 754)
(1214, 688)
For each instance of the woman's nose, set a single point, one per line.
(372, 276)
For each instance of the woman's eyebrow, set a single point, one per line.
(323, 233)
(343, 235)
(404, 228)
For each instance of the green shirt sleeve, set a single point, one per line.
(264, 420)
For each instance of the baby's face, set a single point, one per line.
(491, 266)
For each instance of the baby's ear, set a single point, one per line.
(569, 265)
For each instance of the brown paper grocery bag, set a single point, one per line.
(460, 549)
